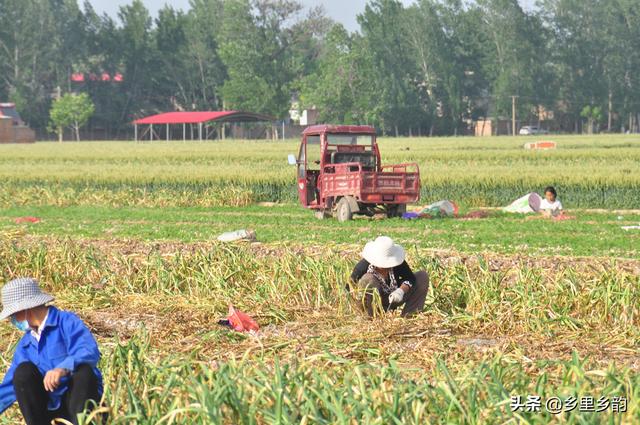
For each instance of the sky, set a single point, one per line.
(343, 11)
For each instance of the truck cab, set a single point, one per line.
(339, 171)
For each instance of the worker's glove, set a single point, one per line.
(396, 296)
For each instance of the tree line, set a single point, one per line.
(432, 67)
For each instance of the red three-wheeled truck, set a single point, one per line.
(339, 171)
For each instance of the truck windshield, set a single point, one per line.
(350, 139)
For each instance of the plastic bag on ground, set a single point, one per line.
(240, 321)
(20, 220)
(438, 209)
(441, 209)
(527, 204)
(238, 235)
(410, 215)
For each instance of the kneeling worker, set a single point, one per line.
(54, 370)
(384, 273)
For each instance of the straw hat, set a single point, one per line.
(383, 253)
(22, 294)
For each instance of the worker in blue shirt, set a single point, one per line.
(54, 370)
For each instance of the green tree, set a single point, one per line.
(69, 41)
(138, 57)
(71, 111)
(511, 58)
(620, 60)
(204, 72)
(593, 115)
(434, 65)
(383, 26)
(437, 75)
(191, 72)
(592, 51)
(171, 43)
(466, 83)
(258, 46)
(104, 54)
(338, 87)
(27, 56)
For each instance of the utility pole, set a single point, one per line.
(610, 112)
(57, 95)
(513, 114)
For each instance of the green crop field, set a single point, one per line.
(519, 306)
(589, 171)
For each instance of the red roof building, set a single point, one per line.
(200, 118)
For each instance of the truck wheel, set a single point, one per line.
(396, 210)
(343, 210)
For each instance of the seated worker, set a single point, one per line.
(384, 273)
(54, 370)
(550, 205)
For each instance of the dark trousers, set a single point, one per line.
(374, 301)
(32, 398)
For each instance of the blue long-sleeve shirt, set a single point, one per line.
(65, 343)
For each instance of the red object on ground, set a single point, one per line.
(240, 321)
(541, 145)
(27, 220)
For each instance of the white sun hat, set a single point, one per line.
(383, 253)
(22, 294)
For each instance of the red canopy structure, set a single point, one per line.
(197, 117)
(184, 117)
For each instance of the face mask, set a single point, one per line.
(22, 326)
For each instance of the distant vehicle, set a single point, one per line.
(530, 130)
(340, 172)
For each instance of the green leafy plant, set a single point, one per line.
(71, 111)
